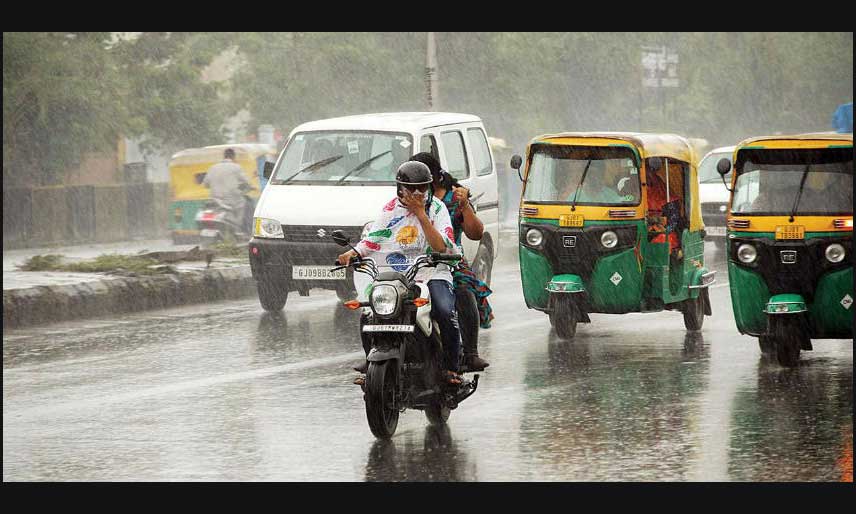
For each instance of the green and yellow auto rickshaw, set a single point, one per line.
(790, 240)
(610, 223)
(188, 167)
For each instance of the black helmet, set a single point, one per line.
(413, 173)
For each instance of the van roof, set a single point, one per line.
(388, 121)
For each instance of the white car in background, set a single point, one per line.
(714, 195)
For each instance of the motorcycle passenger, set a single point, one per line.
(228, 183)
(409, 225)
(464, 220)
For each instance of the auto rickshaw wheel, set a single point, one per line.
(564, 318)
(767, 345)
(694, 312)
(788, 335)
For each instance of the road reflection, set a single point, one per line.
(796, 424)
(608, 408)
(437, 459)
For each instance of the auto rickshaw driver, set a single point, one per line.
(662, 219)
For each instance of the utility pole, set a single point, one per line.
(431, 74)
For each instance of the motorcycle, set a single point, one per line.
(404, 370)
(215, 222)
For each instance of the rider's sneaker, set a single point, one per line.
(363, 367)
(473, 362)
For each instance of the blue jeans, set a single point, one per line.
(443, 310)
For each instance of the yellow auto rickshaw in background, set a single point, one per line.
(610, 223)
(187, 169)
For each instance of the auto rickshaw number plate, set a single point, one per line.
(790, 232)
(571, 220)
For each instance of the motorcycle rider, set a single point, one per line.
(228, 183)
(464, 221)
(409, 225)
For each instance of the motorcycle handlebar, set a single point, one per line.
(436, 256)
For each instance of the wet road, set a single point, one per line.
(227, 392)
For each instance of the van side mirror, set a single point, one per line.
(516, 162)
(340, 238)
(268, 171)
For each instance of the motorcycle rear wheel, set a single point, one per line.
(381, 385)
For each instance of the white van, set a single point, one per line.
(713, 194)
(338, 173)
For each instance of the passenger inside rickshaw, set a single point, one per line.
(666, 217)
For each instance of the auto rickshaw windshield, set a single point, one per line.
(769, 182)
(585, 174)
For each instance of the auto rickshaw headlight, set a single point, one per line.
(534, 237)
(609, 239)
(747, 253)
(835, 253)
(265, 227)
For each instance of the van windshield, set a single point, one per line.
(769, 182)
(707, 173)
(588, 175)
(343, 158)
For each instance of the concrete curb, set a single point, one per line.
(50, 304)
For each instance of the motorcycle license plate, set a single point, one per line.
(387, 328)
(316, 273)
(207, 232)
(715, 231)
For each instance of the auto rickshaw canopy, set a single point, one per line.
(645, 145)
(185, 165)
(796, 141)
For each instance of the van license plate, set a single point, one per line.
(316, 273)
(715, 231)
(387, 328)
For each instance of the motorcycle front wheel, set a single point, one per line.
(381, 386)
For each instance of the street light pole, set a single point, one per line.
(431, 74)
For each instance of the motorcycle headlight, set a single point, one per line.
(265, 227)
(534, 237)
(384, 300)
(609, 239)
(746, 253)
(835, 253)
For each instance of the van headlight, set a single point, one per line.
(609, 239)
(384, 300)
(266, 227)
(835, 253)
(534, 237)
(746, 253)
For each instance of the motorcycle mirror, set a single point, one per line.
(340, 238)
(268, 171)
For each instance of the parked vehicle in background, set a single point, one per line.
(333, 174)
(713, 195)
(187, 169)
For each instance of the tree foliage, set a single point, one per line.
(68, 93)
